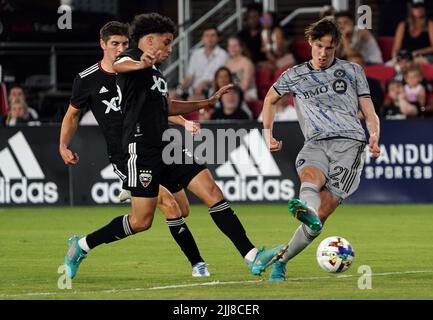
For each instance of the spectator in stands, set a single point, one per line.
(415, 34)
(242, 68)
(354, 39)
(232, 107)
(396, 105)
(374, 85)
(19, 114)
(16, 92)
(251, 33)
(404, 62)
(202, 66)
(222, 77)
(414, 91)
(274, 44)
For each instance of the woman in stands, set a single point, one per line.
(242, 68)
(415, 34)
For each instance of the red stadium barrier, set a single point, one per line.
(385, 45)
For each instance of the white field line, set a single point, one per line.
(190, 285)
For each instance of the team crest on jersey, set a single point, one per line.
(339, 86)
(339, 73)
(145, 178)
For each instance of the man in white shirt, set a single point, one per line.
(203, 64)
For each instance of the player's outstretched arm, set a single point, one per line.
(176, 107)
(268, 113)
(373, 124)
(67, 132)
(127, 64)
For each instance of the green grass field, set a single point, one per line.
(395, 241)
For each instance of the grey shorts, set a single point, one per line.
(341, 161)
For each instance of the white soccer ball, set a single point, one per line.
(335, 254)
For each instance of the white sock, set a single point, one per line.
(249, 257)
(83, 244)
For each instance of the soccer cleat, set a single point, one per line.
(266, 257)
(124, 195)
(278, 272)
(200, 270)
(301, 212)
(74, 257)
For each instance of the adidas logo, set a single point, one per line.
(103, 90)
(107, 192)
(18, 165)
(245, 176)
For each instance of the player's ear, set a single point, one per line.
(103, 44)
(310, 41)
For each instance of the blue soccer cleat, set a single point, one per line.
(301, 212)
(265, 258)
(278, 272)
(74, 257)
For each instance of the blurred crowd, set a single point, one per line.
(399, 71)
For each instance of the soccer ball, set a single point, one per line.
(335, 254)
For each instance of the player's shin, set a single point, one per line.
(117, 229)
(309, 193)
(301, 239)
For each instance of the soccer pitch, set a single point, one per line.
(394, 241)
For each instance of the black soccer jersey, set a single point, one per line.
(144, 104)
(96, 88)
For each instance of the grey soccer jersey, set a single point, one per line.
(326, 101)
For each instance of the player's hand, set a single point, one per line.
(68, 156)
(217, 95)
(275, 145)
(149, 58)
(193, 127)
(374, 146)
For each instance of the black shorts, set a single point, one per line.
(146, 171)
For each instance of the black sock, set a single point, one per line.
(117, 229)
(229, 224)
(180, 232)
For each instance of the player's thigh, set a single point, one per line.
(167, 204)
(203, 186)
(312, 163)
(346, 164)
(142, 212)
(182, 201)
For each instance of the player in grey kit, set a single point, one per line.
(329, 93)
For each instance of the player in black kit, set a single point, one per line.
(146, 107)
(95, 87)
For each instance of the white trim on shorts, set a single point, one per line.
(132, 165)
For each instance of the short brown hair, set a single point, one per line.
(113, 28)
(323, 27)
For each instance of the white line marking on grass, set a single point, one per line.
(190, 285)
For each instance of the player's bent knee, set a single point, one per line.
(139, 225)
(170, 209)
(185, 210)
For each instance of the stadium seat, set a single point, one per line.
(256, 107)
(385, 45)
(264, 80)
(427, 71)
(193, 116)
(380, 72)
(301, 49)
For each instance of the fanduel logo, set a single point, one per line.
(20, 180)
(246, 176)
(107, 192)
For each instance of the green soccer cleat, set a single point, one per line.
(278, 273)
(74, 257)
(265, 258)
(301, 212)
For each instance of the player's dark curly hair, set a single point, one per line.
(146, 23)
(113, 28)
(323, 27)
